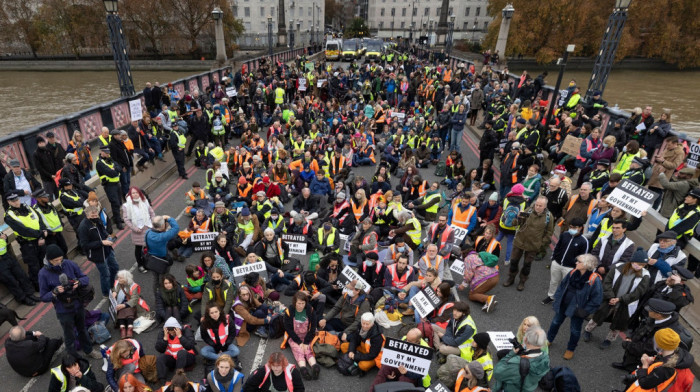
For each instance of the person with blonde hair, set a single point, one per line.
(224, 377)
(122, 359)
(127, 295)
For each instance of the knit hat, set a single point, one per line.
(340, 195)
(482, 340)
(493, 196)
(517, 189)
(172, 323)
(245, 212)
(219, 204)
(667, 339)
(640, 256)
(53, 252)
(476, 369)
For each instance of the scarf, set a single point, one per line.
(170, 297)
(138, 213)
(577, 280)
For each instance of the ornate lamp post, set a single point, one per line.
(507, 12)
(450, 35)
(269, 34)
(291, 33)
(218, 16)
(121, 56)
(562, 65)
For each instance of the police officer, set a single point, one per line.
(109, 172)
(49, 215)
(14, 277)
(72, 202)
(30, 232)
(685, 217)
(177, 146)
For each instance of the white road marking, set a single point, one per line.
(180, 214)
(259, 354)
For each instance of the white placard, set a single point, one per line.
(320, 82)
(398, 114)
(425, 301)
(231, 91)
(347, 275)
(640, 127)
(458, 267)
(297, 243)
(632, 197)
(460, 233)
(693, 155)
(135, 110)
(240, 272)
(438, 387)
(415, 358)
(500, 339)
(302, 84)
(203, 241)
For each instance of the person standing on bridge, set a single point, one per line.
(109, 173)
(30, 232)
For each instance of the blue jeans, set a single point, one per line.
(108, 272)
(356, 161)
(276, 280)
(455, 137)
(209, 353)
(451, 184)
(125, 180)
(504, 190)
(575, 323)
(69, 323)
(509, 238)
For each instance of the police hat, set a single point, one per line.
(532, 122)
(660, 306)
(642, 162)
(669, 235)
(695, 192)
(683, 272)
(489, 122)
(39, 193)
(105, 149)
(64, 182)
(604, 162)
(12, 195)
(521, 120)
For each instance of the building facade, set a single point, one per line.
(305, 16)
(394, 18)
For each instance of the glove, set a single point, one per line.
(581, 313)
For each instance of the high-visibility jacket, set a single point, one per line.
(328, 240)
(366, 240)
(181, 139)
(105, 178)
(279, 95)
(51, 219)
(58, 374)
(676, 219)
(422, 188)
(458, 384)
(462, 218)
(358, 211)
(259, 206)
(426, 379)
(443, 236)
(465, 348)
(222, 331)
(591, 204)
(245, 191)
(441, 311)
(204, 227)
(605, 229)
(174, 346)
(664, 386)
(237, 378)
(73, 196)
(416, 233)
(493, 244)
(337, 209)
(399, 281)
(447, 76)
(433, 208)
(287, 376)
(429, 264)
(589, 147)
(105, 142)
(280, 249)
(30, 220)
(134, 357)
(135, 289)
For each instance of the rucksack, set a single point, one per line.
(275, 329)
(560, 379)
(684, 381)
(99, 333)
(427, 330)
(509, 217)
(440, 169)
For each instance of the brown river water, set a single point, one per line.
(32, 98)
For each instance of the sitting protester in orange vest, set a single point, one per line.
(127, 295)
(344, 318)
(276, 375)
(299, 330)
(123, 358)
(176, 345)
(431, 259)
(658, 373)
(195, 197)
(364, 347)
(396, 277)
(472, 378)
(219, 333)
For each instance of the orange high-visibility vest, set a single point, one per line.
(493, 244)
(399, 281)
(358, 210)
(461, 218)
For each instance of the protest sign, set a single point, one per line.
(240, 272)
(135, 110)
(460, 233)
(203, 242)
(414, 357)
(231, 91)
(398, 114)
(458, 267)
(302, 84)
(425, 301)
(297, 243)
(309, 66)
(500, 339)
(693, 155)
(438, 387)
(320, 83)
(571, 146)
(347, 275)
(632, 197)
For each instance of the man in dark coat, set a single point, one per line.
(46, 166)
(30, 352)
(488, 143)
(199, 128)
(57, 151)
(123, 158)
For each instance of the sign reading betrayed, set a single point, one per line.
(347, 275)
(438, 387)
(415, 358)
(425, 301)
(632, 197)
(296, 242)
(203, 242)
(240, 272)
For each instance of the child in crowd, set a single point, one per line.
(195, 282)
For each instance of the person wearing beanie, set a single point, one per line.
(622, 291)
(472, 378)
(571, 245)
(176, 346)
(659, 372)
(579, 294)
(489, 213)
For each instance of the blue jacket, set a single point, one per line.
(48, 280)
(588, 298)
(322, 187)
(157, 241)
(458, 121)
(455, 338)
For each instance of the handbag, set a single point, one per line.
(157, 264)
(145, 322)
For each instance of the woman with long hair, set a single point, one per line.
(219, 333)
(170, 299)
(276, 375)
(224, 377)
(138, 213)
(208, 261)
(180, 383)
(299, 329)
(250, 314)
(129, 383)
(123, 358)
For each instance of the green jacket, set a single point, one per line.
(507, 373)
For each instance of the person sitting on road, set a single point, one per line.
(123, 358)
(309, 284)
(217, 290)
(219, 333)
(171, 300)
(299, 330)
(307, 205)
(364, 346)
(457, 335)
(177, 347)
(396, 277)
(390, 374)
(73, 372)
(277, 375)
(347, 310)
(29, 353)
(127, 295)
(251, 315)
(225, 377)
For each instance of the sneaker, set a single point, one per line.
(484, 307)
(490, 303)
(548, 300)
(587, 336)
(95, 354)
(605, 344)
(506, 262)
(568, 354)
(261, 332)
(142, 269)
(305, 372)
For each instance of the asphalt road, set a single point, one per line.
(590, 363)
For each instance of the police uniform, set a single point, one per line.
(29, 229)
(72, 203)
(177, 145)
(49, 215)
(109, 173)
(14, 277)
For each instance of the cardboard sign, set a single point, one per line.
(135, 110)
(297, 243)
(414, 357)
(458, 267)
(438, 387)
(460, 233)
(347, 275)
(320, 83)
(425, 301)
(571, 145)
(239, 273)
(231, 92)
(203, 242)
(500, 339)
(346, 243)
(632, 198)
(693, 155)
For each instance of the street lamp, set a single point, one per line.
(121, 56)
(474, 29)
(430, 33)
(291, 33)
(269, 34)
(425, 31)
(410, 34)
(218, 15)
(608, 48)
(450, 35)
(562, 65)
(507, 13)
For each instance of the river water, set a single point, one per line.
(32, 98)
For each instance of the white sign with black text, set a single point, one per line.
(240, 272)
(414, 357)
(693, 155)
(231, 91)
(458, 267)
(500, 339)
(632, 197)
(203, 242)
(460, 233)
(135, 110)
(297, 243)
(347, 275)
(425, 301)
(438, 387)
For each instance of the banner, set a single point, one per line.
(457, 267)
(203, 242)
(297, 243)
(425, 301)
(398, 115)
(347, 275)
(571, 145)
(135, 110)
(239, 273)
(414, 357)
(460, 233)
(632, 198)
(693, 155)
(500, 339)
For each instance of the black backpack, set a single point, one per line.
(275, 329)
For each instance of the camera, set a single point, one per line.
(171, 329)
(516, 345)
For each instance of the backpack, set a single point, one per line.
(559, 379)
(447, 373)
(427, 330)
(347, 366)
(509, 217)
(99, 333)
(440, 169)
(275, 329)
(684, 381)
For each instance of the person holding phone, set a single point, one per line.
(176, 345)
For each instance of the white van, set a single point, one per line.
(333, 49)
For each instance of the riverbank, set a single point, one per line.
(108, 65)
